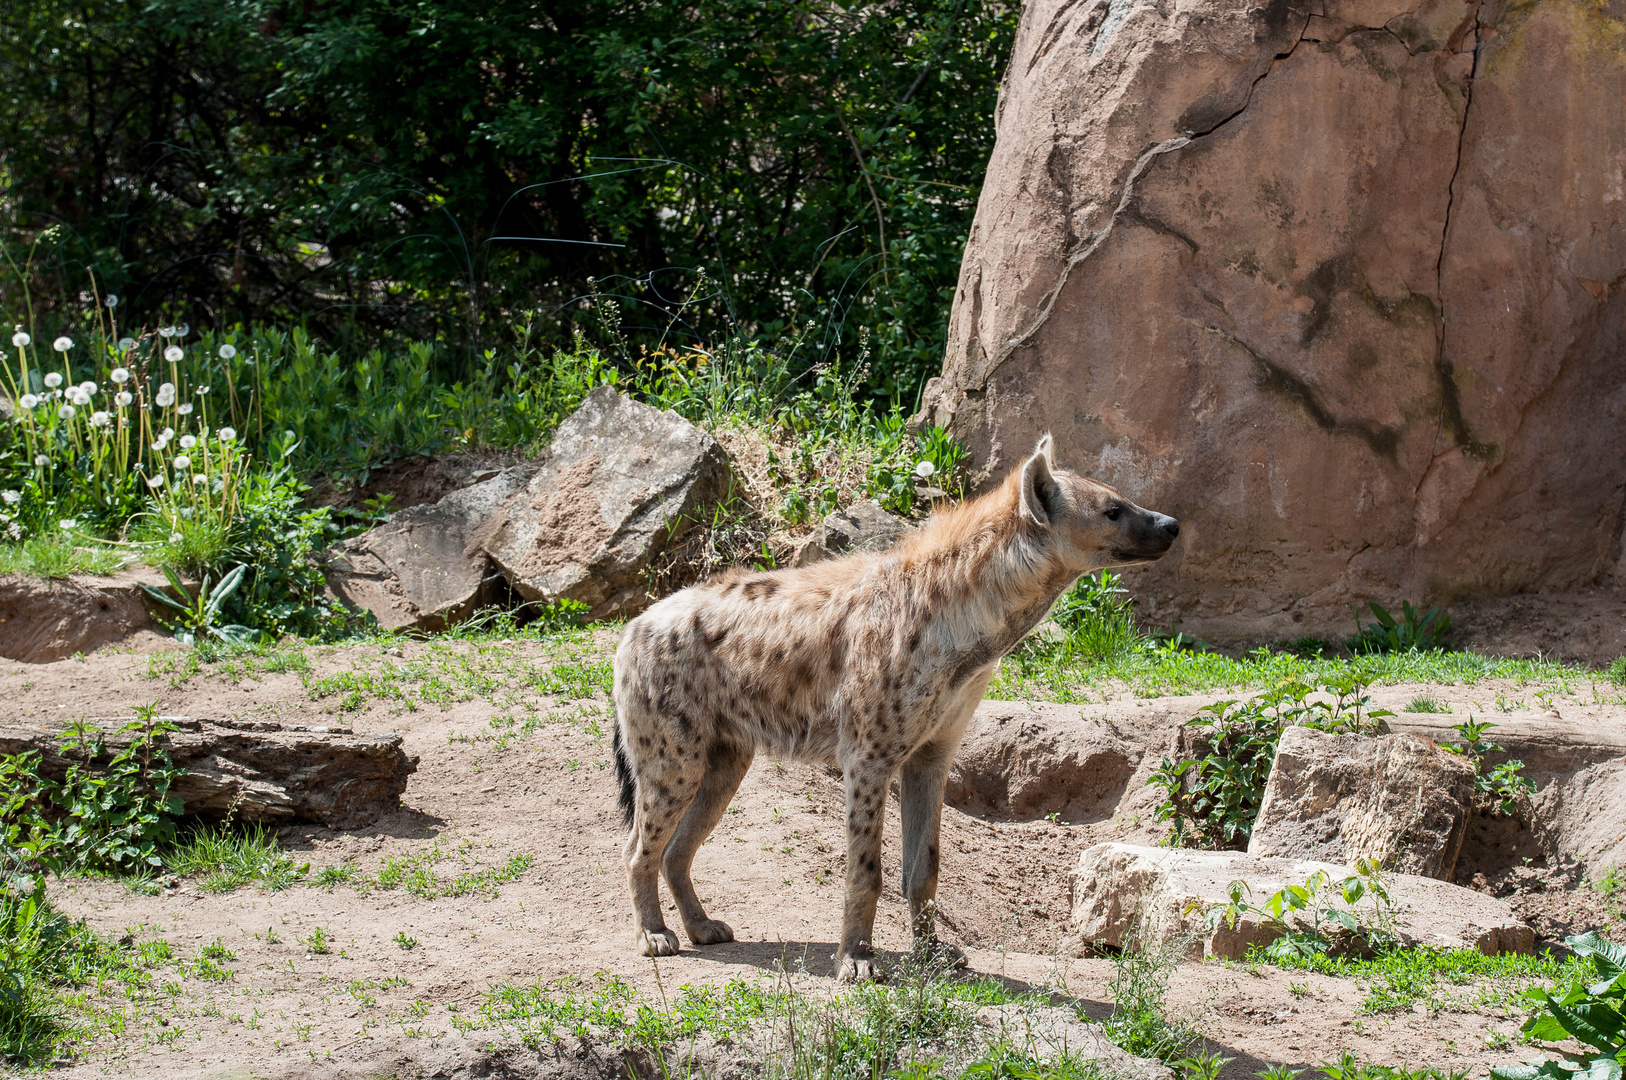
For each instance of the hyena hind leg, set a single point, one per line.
(667, 782)
(726, 765)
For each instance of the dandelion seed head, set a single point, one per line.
(184, 408)
(182, 462)
(925, 468)
(119, 375)
(123, 397)
(175, 538)
(174, 354)
(227, 434)
(182, 329)
(202, 390)
(199, 478)
(68, 524)
(11, 497)
(28, 401)
(100, 419)
(126, 344)
(65, 412)
(62, 344)
(156, 480)
(20, 340)
(228, 351)
(53, 379)
(112, 300)
(188, 442)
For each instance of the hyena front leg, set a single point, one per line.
(726, 765)
(924, 776)
(866, 813)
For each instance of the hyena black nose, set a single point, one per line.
(1169, 525)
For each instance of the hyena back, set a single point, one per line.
(874, 662)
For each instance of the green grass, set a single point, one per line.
(416, 875)
(225, 858)
(1455, 980)
(57, 557)
(1157, 670)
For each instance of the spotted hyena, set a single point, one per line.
(873, 662)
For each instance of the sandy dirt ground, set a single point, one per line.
(773, 870)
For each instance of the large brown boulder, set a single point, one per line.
(1341, 285)
(621, 483)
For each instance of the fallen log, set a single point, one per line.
(254, 770)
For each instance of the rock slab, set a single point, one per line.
(421, 569)
(1157, 896)
(1342, 286)
(1399, 799)
(258, 771)
(1021, 764)
(863, 526)
(621, 482)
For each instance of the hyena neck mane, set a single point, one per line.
(987, 576)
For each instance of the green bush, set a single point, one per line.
(1414, 631)
(1591, 1010)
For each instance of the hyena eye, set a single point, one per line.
(1114, 514)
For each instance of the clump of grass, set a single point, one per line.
(60, 556)
(318, 942)
(1616, 672)
(1426, 704)
(1399, 979)
(407, 943)
(330, 877)
(226, 858)
(1140, 1022)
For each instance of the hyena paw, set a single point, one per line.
(657, 942)
(710, 932)
(856, 969)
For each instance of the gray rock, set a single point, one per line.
(863, 526)
(1399, 799)
(1020, 764)
(421, 569)
(1161, 896)
(621, 482)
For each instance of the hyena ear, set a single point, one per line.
(1040, 492)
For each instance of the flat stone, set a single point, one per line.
(1169, 891)
(863, 526)
(1399, 799)
(419, 569)
(620, 484)
(1022, 763)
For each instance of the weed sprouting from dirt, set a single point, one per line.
(1140, 1022)
(1441, 980)
(226, 858)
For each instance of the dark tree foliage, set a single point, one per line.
(429, 167)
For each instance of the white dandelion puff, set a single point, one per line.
(20, 340)
(11, 497)
(112, 299)
(126, 344)
(88, 387)
(202, 390)
(199, 478)
(174, 353)
(68, 524)
(53, 379)
(182, 462)
(166, 394)
(185, 408)
(62, 344)
(28, 401)
(188, 442)
(119, 375)
(41, 460)
(78, 396)
(176, 538)
(100, 419)
(65, 411)
(156, 480)
(227, 434)
(925, 469)
(124, 397)
(228, 351)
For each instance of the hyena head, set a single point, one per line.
(1086, 523)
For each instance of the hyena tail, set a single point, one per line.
(623, 774)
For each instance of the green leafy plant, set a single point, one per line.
(1505, 782)
(112, 811)
(1414, 631)
(1097, 620)
(1306, 919)
(199, 615)
(1212, 797)
(319, 941)
(405, 942)
(1616, 672)
(225, 858)
(1588, 1010)
(1140, 1021)
(1349, 1067)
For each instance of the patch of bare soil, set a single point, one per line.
(488, 796)
(1587, 626)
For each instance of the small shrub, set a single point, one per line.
(1590, 1010)
(318, 942)
(407, 943)
(1504, 783)
(1308, 921)
(1412, 632)
(1140, 1023)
